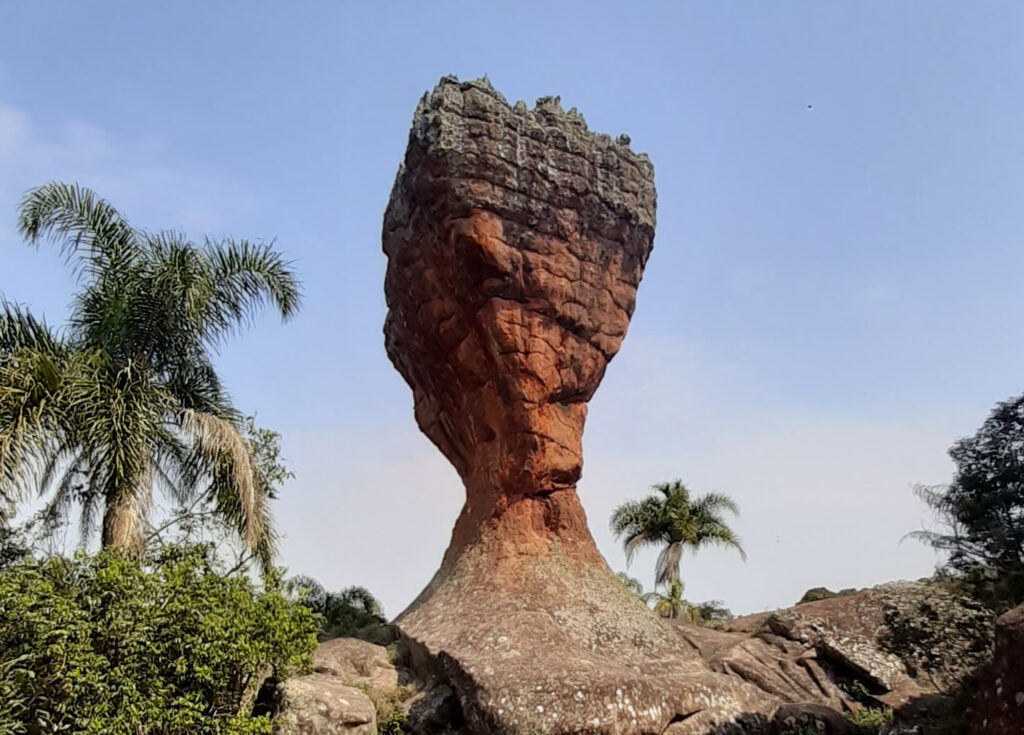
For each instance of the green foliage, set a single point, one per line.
(824, 593)
(392, 713)
(671, 604)
(101, 645)
(201, 519)
(816, 593)
(674, 521)
(981, 512)
(632, 583)
(856, 690)
(712, 610)
(126, 398)
(351, 613)
(871, 721)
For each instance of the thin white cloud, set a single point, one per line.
(135, 174)
(825, 499)
(825, 496)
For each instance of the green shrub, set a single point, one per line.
(351, 613)
(101, 645)
(392, 713)
(871, 721)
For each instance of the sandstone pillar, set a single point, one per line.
(516, 240)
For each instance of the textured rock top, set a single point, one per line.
(535, 160)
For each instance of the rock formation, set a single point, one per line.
(899, 645)
(350, 678)
(999, 709)
(516, 240)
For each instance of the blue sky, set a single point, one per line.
(834, 294)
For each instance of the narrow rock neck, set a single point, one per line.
(511, 525)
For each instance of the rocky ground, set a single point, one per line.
(908, 646)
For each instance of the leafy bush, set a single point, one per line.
(392, 712)
(351, 613)
(712, 610)
(101, 645)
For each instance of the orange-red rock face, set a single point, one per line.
(515, 240)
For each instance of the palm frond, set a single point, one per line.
(714, 503)
(31, 409)
(20, 330)
(718, 534)
(244, 277)
(236, 489)
(636, 541)
(90, 231)
(674, 489)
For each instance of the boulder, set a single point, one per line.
(999, 708)
(516, 239)
(780, 667)
(356, 663)
(802, 718)
(322, 705)
(856, 652)
(904, 645)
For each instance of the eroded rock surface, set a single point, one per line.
(516, 239)
(356, 663)
(897, 644)
(319, 704)
(781, 667)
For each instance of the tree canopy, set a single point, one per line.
(125, 399)
(981, 511)
(673, 520)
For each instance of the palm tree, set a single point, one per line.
(671, 604)
(125, 397)
(674, 521)
(632, 583)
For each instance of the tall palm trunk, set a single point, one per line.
(123, 517)
(120, 527)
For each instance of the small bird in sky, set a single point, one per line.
(809, 106)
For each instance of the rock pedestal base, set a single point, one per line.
(547, 643)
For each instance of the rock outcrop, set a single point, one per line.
(999, 709)
(356, 663)
(350, 678)
(516, 240)
(901, 645)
